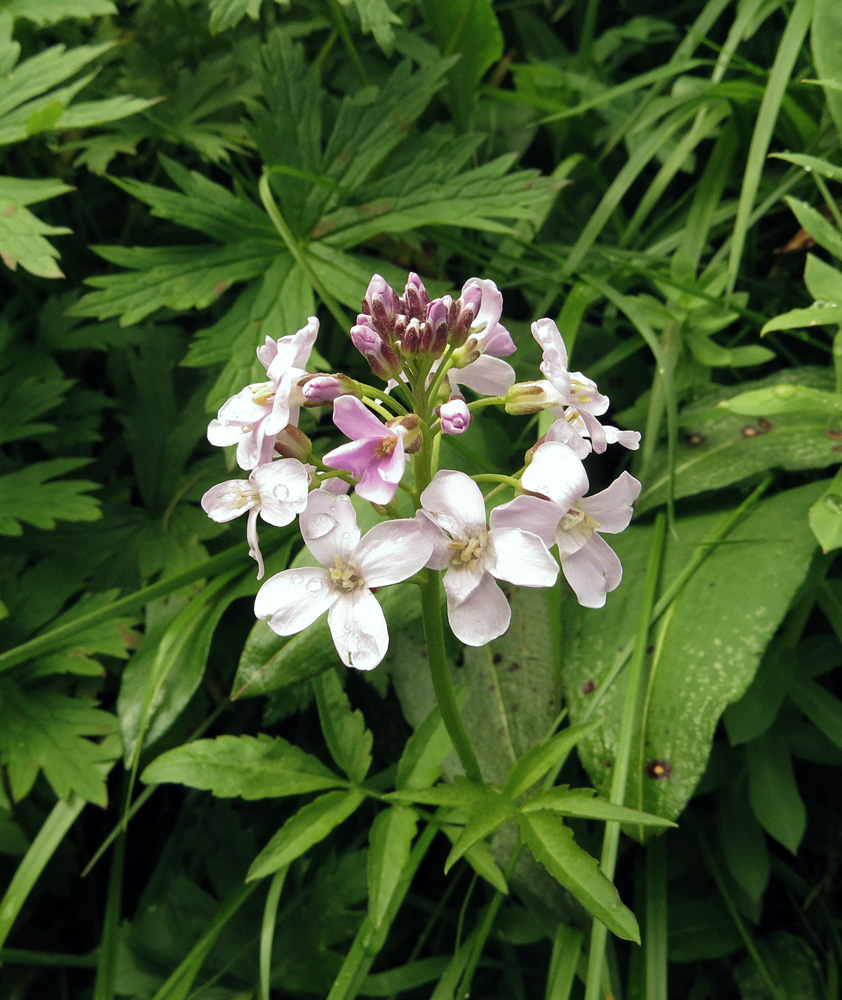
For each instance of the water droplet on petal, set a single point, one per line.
(313, 584)
(319, 525)
(280, 492)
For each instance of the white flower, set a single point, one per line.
(253, 417)
(342, 585)
(277, 491)
(473, 553)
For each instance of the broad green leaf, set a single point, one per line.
(818, 314)
(701, 663)
(252, 767)
(580, 802)
(758, 708)
(825, 516)
(390, 841)
(785, 399)
(823, 281)
(270, 661)
(773, 790)
(719, 449)
(825, 31)
(44, 12)
(536, 762)
(742, 841)
(344, 730)
(33, 495)
(701, 928)
(425, 752)
(46, 730)
(310, 825)
(486, 817)
(552, 844)
(820, 706)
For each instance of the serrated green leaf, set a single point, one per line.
(228, 13)
(45, 118)
(44, 12)
(28, 497)
(23, 399)
(425, 752)
(46, 730)
(376, 17)
(773, 790)
(344, 730)
(22, 240)
(390, 841)
(462, 793)
(580, 802)
(536, 762)
(252, 767)
(552, 844)
(485, 819)
(480, 858)
(310, 825)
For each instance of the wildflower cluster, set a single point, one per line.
(427, 351)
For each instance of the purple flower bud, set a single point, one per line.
(437, 319)
(411, 340)
(293, 443)
(381, 303)
(415, 297)
(322, 389)
(455, 416)
(381, 358)
(453, 310)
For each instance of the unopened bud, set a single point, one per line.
(381, 303)
(532, 397)
(293, 443)
(455, 415)
(411, 339)
(469, 307)
(415, 297)
(409, 428)
(381, 358)
(437, 319)
(467, 353)
(321, 389)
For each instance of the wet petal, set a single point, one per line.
(254, 543)
(229, 499)
(222, 434)
(521, 558)
(283, 486)
(455, 502)
(329, 526)
(592, 572)
(393, 551)
(358, 628)
(294, 599)
(242, 408)
(484, 615)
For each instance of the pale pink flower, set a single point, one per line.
(375, 455)
(487, 374)
(253, 417)
(342, 585)
(277, 491)
(454, 415)
(473, 553)
(574, 521)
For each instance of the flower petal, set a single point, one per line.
(533, 514)
(592, 572)
(611, 508)
(393, 551)
(283, 489)
(356, 420)
(487, 375)
(455, 503)
(521, 558)
(294, 599)
(329, 526)
(222, 434)
(483, 615)
(628, 439)
(242, 408)
(355, 456)
(229, 499)
(556, 472)
(564, 432)
(461, 580)
(358, 628)
(254, 543)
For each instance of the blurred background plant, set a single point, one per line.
(661, 182)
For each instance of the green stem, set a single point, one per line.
(437, 659)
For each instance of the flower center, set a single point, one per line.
(263, 393)
(344, 576)
(240, 496)
(469, 551)
(385, 447)
(577, 518)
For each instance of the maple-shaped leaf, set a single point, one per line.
(35, 496)
(43, 729)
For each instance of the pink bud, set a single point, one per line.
(415, 297)
(455, 416)
(381, 303)
(381, 358)
(320, 389)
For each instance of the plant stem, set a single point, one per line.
(434, 634)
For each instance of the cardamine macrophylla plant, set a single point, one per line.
(426, 351)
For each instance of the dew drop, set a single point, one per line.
(319, 525)
(784, 391)
(313, 584)
(280, 492)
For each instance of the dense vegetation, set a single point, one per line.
(182, 179)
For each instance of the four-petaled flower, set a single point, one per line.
(253, 417)
(474, 552)
(277, 491)
(573, 521)
(351, 567)
(375, 455)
